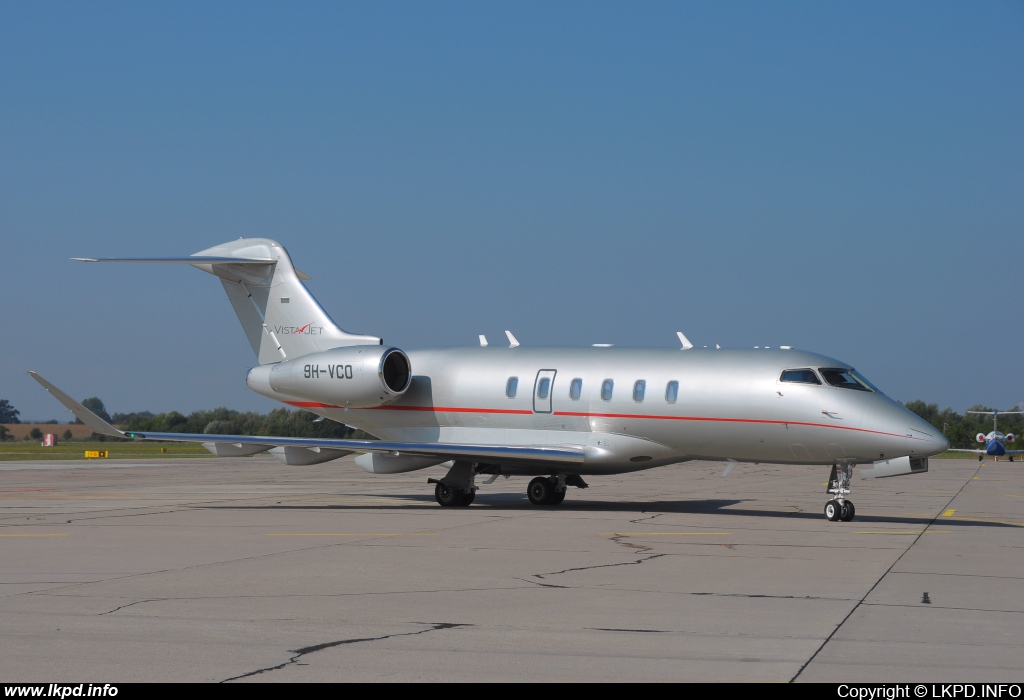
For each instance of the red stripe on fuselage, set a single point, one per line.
(450, 409)
(428, 409)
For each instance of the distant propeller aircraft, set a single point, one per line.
(995, 442)
(552, 414)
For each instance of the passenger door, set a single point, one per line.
(542, 390)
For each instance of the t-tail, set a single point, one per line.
(278, 314)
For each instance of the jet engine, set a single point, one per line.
(359, 376)
(1010, 437)
(980, 437)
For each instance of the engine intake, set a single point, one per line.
(359, 376)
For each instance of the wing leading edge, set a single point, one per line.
(529, 454)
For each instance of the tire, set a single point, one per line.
(848, 511)
(465, 499)
(558, 497)
(833, 510)
(446, 496)
(540, 491)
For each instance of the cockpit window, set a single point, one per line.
(846, 379)
(800, 376)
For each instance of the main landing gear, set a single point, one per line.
(550, 490)
(840, 508)
(458, 487)
(544, 491)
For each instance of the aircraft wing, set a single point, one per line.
(531, 454)
(983, 452)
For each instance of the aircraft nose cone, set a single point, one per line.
(925, 440)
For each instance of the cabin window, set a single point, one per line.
(800, 376)
(511, 387)
(543, 387)
(638, 390)
(846, 379)
(671, 392)
(607, 386)
(575, 389)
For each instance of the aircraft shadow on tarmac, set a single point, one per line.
(518, 503)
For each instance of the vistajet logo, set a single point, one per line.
(308, 329)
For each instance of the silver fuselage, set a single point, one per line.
(731, 405)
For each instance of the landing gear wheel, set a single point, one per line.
(847, 511)
(558, 497)
(446, 495)
(833, 510)
(542, 492)
(449, 496)
(979, 457)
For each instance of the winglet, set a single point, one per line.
(97, 424)
(512, 342)
(683, 341)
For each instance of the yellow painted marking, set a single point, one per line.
(989, 520)
(655, 534)
(903, 532)
(949, 512)
(974, 477)
(34, 534)
(350, 534)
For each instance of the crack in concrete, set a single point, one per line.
(128, 605)
(299, 653)
(767, 595)
(648, 518)
(620, 540)
(601, 566)
(544, 585)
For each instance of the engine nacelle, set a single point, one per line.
(1010, 437)
(360, 376)
(980, 437)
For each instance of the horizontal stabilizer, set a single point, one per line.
(191, 260)
(196, 260)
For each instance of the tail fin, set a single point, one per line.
(280, 317)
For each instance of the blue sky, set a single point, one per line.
(842, 177)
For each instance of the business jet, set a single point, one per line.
(554, 414)
(995, 442)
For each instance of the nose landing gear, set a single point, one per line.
(840, 508)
